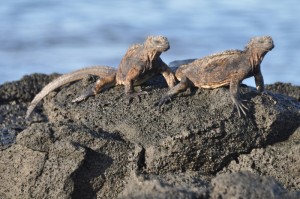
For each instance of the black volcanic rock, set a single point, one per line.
(105, 148)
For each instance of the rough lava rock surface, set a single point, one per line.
(196, 147)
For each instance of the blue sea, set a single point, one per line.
(47, 36)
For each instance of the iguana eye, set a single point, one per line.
(156, 42)
(261, 41)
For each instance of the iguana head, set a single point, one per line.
(264, 43)
(160, 43)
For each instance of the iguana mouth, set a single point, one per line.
(267, 48)
(164, 47)
(272, 45)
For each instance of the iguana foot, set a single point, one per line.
(241, 108)
(163, 100)
(83, 96)
(79, 99)
(136, 95)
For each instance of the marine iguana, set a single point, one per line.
(230, 67)
(139, 64)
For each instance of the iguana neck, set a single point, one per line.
(150, 55)
(256, 57)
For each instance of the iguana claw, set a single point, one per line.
(163, 101)
(136, 95)
(241, 108)
(83, 96)
(79, 99)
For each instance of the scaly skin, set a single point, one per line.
(140, 63)
(67, 78)
(226, 68)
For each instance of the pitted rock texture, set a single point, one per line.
(281, 161)
(201, 131)
(285, 89)
(248, 185)
(104, 148)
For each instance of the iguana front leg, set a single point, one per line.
(131, 77)
(168, 75)
(235, 96)
(259, 81)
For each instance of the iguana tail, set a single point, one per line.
(101, 71)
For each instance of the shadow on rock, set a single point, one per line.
(89, 177)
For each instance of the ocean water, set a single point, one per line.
(49, 36)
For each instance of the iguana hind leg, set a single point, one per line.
(235, 96)
(101, 84)
(180, 87)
